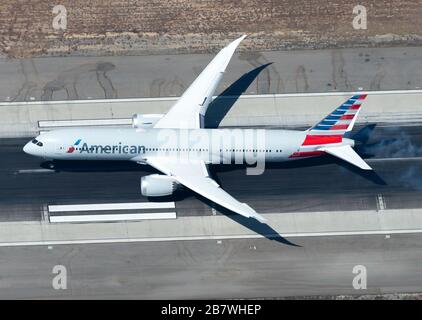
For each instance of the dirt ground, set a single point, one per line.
(108, 27)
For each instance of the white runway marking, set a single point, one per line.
(36, 171)
(113, 217)
(395, 159)
(210, 237)
(111, 206)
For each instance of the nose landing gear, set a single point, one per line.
(48, 165)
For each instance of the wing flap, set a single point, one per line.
(194, 176)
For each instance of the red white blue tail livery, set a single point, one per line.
(341, 119)
(327, 136)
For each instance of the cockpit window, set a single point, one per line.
(38, 143)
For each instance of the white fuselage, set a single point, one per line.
(211, 145)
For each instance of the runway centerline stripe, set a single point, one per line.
(111, 206)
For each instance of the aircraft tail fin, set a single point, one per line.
(341, 120)
(328, 135)
(346, 153)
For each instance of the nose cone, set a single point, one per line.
(26, 148)
(29, 148)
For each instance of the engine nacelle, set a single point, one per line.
(140, 121)
(157, 185)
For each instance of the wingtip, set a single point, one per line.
(260, 218)
(238, 40)
(251, 213)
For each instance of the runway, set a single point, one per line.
(304, 186)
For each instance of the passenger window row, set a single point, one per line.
(227, 150)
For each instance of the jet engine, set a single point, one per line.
(157, 185)
(141, 121)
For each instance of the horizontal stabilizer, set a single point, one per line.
(347, 154)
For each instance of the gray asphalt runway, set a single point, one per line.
(312, 185)
(212, 269)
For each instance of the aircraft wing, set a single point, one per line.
(189, 111)
(194, 175)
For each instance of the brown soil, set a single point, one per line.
(102, 27)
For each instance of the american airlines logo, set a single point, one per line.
(107, 149)
(71, 149)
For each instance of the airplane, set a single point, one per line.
(152, 140)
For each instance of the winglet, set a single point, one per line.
(238, 40)
(227, 52)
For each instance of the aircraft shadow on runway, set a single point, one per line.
(252, 224)
(222, 104)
